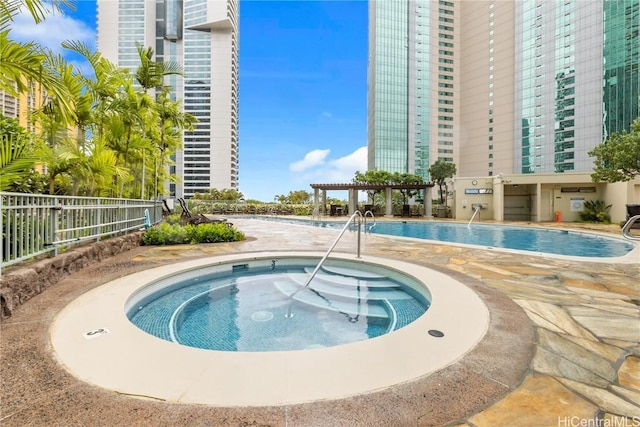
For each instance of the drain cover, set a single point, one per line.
(436, 333)
(262, 316)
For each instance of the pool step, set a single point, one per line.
(347, 306)
(335, 287)
(350, 272)
(373, 281)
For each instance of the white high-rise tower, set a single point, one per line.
(202, 36)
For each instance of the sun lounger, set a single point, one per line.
(632, 210)
(190, 218)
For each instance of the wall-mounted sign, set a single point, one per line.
(577, 204)
(578, 189)
(478, 191)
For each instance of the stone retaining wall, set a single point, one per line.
(21, 283)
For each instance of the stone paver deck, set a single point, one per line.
(582, 366)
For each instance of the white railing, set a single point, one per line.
(36, 224)
(357, 215)
(626, 229)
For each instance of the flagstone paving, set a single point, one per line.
(586, 364)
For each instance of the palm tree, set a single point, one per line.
(23, 63)
(36, 8)
(99, 169)
(150, 74)
(16, 157)
(99, 89)
(60, 161)
(171, 120)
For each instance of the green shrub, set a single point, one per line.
(595, 211)
(303, 210)
(175, 234)
(173, 219)
(165, 234)
(212, 233)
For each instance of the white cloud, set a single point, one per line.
(357, 159)
(338, 171)
(311, 159)
(51, 32)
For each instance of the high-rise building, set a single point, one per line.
(21, 107)
(202, 36)
(400, 105)
(496, 86)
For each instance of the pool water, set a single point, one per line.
(541, 240)
(559, 242)
(253, 307)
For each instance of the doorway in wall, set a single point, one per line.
(518, 202)
(546, 205)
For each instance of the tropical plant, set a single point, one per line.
(123, 134)
(372, 177)
(618, 158)
(25, 63)
(226, 194)
(439, 172)
(298, 197)
(595, 211)
(38, 9)
(16, 153)
(150, 74)
(407, 178)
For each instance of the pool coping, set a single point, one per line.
(95, 341)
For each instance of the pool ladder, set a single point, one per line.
(626, 229)
(360, 218)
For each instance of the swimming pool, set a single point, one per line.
(531, 239)
(264, 306)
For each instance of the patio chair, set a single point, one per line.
(189, 218)
(166, 210)
(632, 210)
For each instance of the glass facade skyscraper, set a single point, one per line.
(523, 87)
(558, 75)
(621, 85)
(399, 86)
(203, 37)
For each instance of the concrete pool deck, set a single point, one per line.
(562, 349)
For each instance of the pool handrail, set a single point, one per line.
(365, 225)
(475, 211)
(356, 214)
(626, 229)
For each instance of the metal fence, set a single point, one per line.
(35, 224)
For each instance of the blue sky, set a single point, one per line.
(303, 88)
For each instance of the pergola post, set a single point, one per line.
(316, 202)
(353, 200)
(388, 202)
(428, 208)
(324, 203)
(353, 189)
(498, 198)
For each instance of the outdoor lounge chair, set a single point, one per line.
(166, 210)
(189, 218)
(632, 210)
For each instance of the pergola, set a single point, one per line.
(353, 189)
